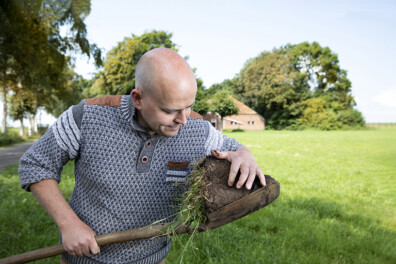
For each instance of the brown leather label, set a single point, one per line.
(178, 164)
(109, 100)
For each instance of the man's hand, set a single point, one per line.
(78, 239)
(241, 160)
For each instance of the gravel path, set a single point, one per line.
(11, 155)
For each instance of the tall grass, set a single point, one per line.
(337, 204)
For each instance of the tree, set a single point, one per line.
(271, 86)
(322, 72)
(228, 85)
(72, 92)
(21, 103)
(276, 83)
(32, 48)
(118, 76)
(223, 105)
(201, 105)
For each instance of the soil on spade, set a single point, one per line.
(217, 193)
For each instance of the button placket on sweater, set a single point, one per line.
(146, 154)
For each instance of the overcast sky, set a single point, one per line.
(220, 36)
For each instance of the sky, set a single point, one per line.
(220, 36)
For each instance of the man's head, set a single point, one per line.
(165, 91)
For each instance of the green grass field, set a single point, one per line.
(337, 204)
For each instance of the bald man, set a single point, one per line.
(129, 150)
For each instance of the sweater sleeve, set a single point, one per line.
(215, 140)
(46, 158)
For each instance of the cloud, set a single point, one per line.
(387, 98)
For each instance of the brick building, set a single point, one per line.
(246, 119)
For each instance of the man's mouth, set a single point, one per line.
(175, 127)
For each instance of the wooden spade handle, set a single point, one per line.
(116, 237)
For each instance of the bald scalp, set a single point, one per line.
(157, 66)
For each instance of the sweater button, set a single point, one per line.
(148, 144)
(144, 159)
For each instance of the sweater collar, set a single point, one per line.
(129, 112)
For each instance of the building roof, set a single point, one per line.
(242, 108)
(233, 120)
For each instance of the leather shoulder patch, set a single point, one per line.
(109, 100)
(195, 115)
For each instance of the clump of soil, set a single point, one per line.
(216, 191)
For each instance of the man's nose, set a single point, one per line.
(181, 117)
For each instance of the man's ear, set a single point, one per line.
(137, 98)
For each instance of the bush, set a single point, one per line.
(238, 130)
(11, 137)
(352, 118)
(320, 114)
(317, 115)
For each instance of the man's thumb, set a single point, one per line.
(219, 155)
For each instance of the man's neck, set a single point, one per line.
(142, 123)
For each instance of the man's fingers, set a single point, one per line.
(233, 172)
(261, 176)
(78, 252)
(94, 247)
(85, 251)
(70, 250)
(241, 160)
(83, 246)
(252, 176)
(243, 176)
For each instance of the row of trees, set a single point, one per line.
(35, 66)
(293, 86)
(296, 86)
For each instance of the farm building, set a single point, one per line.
(246, 119)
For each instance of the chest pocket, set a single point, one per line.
(177, 171)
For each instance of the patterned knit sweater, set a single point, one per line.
(124, 178)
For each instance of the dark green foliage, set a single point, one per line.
(216, 99)
(351, 117)
(201, 105)
(238, 130)
(71, 93)
(272, 87)
(228, 85)
(328, 115)
(33, 53)
(9, 138)
(21, 103)
(223, 104)
(280, 83)
(118, 75)
(315, 114)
